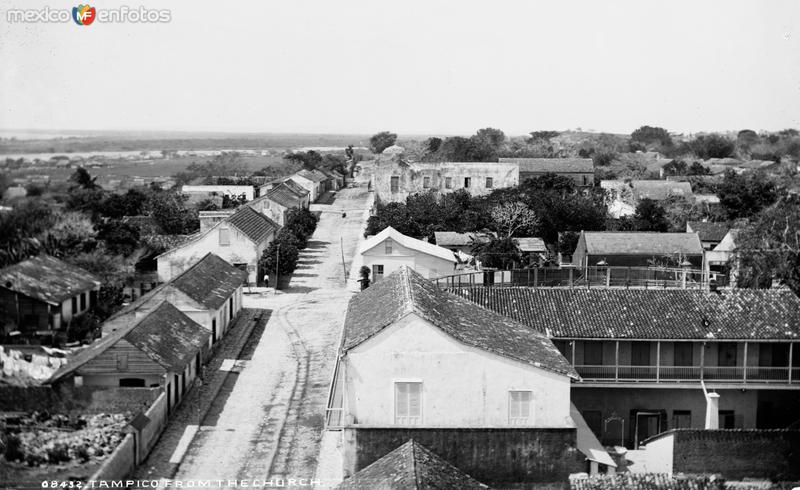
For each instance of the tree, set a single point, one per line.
(81, 178)
(511, 217)
(283, 253)
(650, 216)
(550, 181)
(380, 141)
(652, 134)
(171, 214)
(129, 204)
(697, 168)
(746, 194)
(542, 136)
(676, 167)
(120, 238)
(72, 233)
(491, 137)
(432, 145)
(712, 146)
(500, 253)
(20, 230)
(310, 158)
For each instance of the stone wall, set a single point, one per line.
(76, 400)
(120, 464)
(496, 457)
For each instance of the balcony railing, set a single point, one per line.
(678, 374)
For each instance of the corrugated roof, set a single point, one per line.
(210, 281)
(411, 466)
(255, 225)
(405, 291)
(455, 239)
(47, 279)
(641, 243)
(552, 165)
(408, 242)
(659, 190)
(647, 314)
(708, 231)
(531, 244)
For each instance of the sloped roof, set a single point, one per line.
(167, 336)
(531, 244)
(312, 175)
(296, 188)
(47, 279)
(210, 281)
(455, 239)
(641, 243)
(659, 190)
(647, 314)
(284, 195)
(253, 224)
(408, 242)
(405, 291)
(411, 466)
(708, 231)
(552, 165)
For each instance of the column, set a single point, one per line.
(658, 361)
(616, 361)
(744, 364)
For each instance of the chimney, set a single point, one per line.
(712, 411)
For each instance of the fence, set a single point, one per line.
(587, 277)
(689, 373)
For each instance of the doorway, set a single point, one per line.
(646, 425)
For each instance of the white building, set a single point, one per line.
(390, 250)
(232, 191)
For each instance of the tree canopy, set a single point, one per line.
(380, 141)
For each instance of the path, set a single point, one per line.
(267, 420)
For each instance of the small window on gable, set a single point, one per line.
(519, 407)
(408, 403)
(448, 182)
(489, 182)
(122, 362)
(224, 236)
(426, 182)
(388, 247)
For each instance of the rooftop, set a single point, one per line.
(455, 239)
(284, 195)
(754, 314)
(660, 190)
(405, 291)
(708, 231)
(210, 281)
(552, 165)
(408, 242)
(47, 279)
(296, 188)
(312, 175)
(410, 466)
(253, 224)
(641, 243)
(531, 244)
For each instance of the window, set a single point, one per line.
(75, 305)
(467, 182)
(585, 180)
(213, 330)
(131, 383)
(83, 301)
(684, 354)
(387, 247)
(448, 182)
(726, 352)
(727, 419)
(122, 362)
(407, 403)
(681, 419)
(489, 182)
(224, 236)
(395, 184)
(593, 353)
(640, 353)
(519, 407)
(426, 182)
(377, 272)
(773, 355)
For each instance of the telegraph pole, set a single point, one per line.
(344, 268)
(277, 261)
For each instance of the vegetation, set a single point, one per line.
(283, 253)
(380, 141)
(745, 195)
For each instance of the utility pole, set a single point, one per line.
(277, 261)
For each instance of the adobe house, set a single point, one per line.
(43, 294)
(279, 200)
(419, 363)
(580, 170)
(390, 250)
(161, 348)
(240, 239)
(643, 355)
(311, 180)
(209, 292)
(638, 249)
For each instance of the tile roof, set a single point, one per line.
(47, 279)
(407, 242)
(531, 244)
(405, 291)
(552, 165)
(165, 334)
(455, 239)
(210, 281)
(255, 225)
(659, 190)
(296, 188)
(708, 231)
(312, 175)
(411, 466)
(647, 314)
(641, 243)
(284, 195)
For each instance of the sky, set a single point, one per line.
(412, 67)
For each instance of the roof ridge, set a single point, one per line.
(417, 481)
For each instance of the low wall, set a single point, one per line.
(496, 457)
(158, 416)
(80, 400)
(736, 453)
(120, 464)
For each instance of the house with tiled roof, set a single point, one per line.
(418, 362)
(638, 249)
(710, 233)
(411, 466)
(580, 170)
(279, 200)
(209, 292)
(460, 242)
(311, 180)
(643, 355)
(390, 250)
(41, 295)
(162, 348)
(240, 239)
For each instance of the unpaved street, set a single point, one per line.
(267, 420)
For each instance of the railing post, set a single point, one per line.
(529, 278)
(616, 361)
(573, 352)
(608, 277)
(536, 277)
(744, 364)
(571, 271)
(791, 346)
(658, 361)
(702, 360)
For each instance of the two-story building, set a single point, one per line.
(240, 239)
(642, 354)
(390, 250)
(580, 170)
(43, 294)
(419, 363)
(638, 249)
